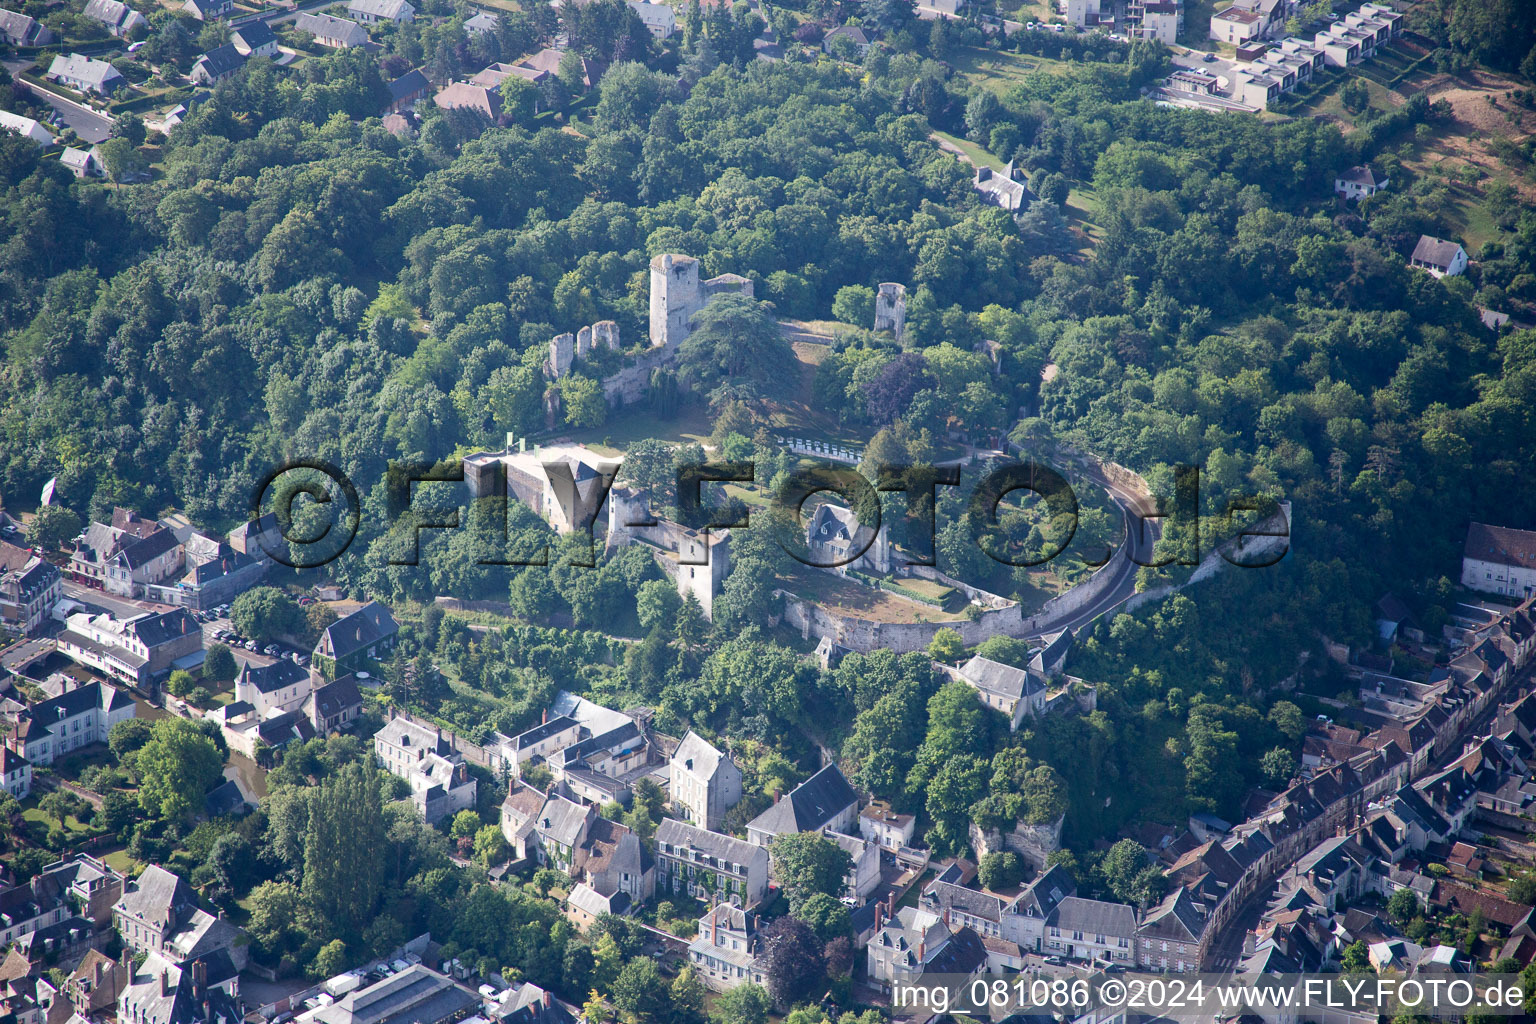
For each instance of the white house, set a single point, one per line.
(879, 824)
(660, 20)
(337, 33)
(1359, 182)
(1499, 560)
(85, 74)
(705, 782)
(254, 39)
(371, 12)
(440, 783)
(278, 687)
(82, 163)
(1236, 26)
(25, 126)
(1439, 257)
(118, 17)
(857, 36)
(75, 718)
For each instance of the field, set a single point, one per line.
(999, 71)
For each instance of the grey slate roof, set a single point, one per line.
(810, 806)
(334, 698)
(995, 677)
(1435, 251)
(253, 36)
(273, 677)
(1093, 917)
(350, 33)
(672, 834)
(218, 62)
(95, 74)
(363, 628)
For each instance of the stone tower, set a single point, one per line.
(675, 297)
(562, 352)
(891, 308)
(605, 334)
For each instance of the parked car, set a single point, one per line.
(1208, 58)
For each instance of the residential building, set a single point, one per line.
(26, 127)
(484, 21)
(82, 163)
(1236, 25)
(1359, 182)
(20, 30)
(217, 64)
(519, 816)
(1255, 88)
(596, 753)
(335, 706)
(1005, 188)
(250, 733)
(119, 18)
(616, 869)
(559, 829)
(30, 586)
(660, 20)
(215, 573)
(702, 863)
(253, 39)
(139, 563)
(209, 10)
(914, 942)
(372, 12)
(83, 714)
(440, 783)
(725, 952)
(879, 824)
(85, 74)
(158, 914)
(140, 650)
(201, 991)
(855, 35)
(863, 876)
(1082, 13)
(1439, 257)
(27, 993)
(15, 773)
(100, 542)
(275, 688)
(1091, 930)
(258, 538)
(823, 801)
(337, 33)
(464, 96)
(355, 641)
(1169, 936)
(415, 995)
(1016, 692)
(836, 540)
(96, 983)
(408, 91)
(1499, 560)
(705, 782)
(68, 904)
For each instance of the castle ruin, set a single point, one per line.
(891, 308)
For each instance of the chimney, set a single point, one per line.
(922, 952)
(165, 983)
(199, 976)
(548, 999)
(545, 719)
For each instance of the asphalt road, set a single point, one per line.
(1141, 535)
(91, 126)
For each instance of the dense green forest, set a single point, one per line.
(297, 281)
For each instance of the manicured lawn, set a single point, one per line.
(974, 153)
(120, 861)
(691, 424)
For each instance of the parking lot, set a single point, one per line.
(218, 629)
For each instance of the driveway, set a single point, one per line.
(91, 126)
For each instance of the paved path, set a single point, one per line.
(92, 126)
